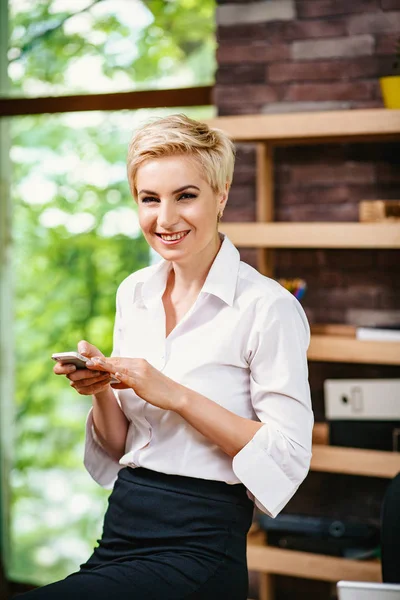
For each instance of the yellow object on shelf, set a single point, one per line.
(390, 88)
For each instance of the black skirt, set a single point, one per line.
(165, 537)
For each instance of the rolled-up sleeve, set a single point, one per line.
(99, 464)
(277, 459)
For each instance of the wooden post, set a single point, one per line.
(266, 591)
(265, 201)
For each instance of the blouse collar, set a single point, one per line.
(221, 279)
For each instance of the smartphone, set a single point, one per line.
(74, 358)
(71, 358)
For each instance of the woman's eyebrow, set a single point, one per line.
(148, 192)
(184, 187)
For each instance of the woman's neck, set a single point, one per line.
(187, 279)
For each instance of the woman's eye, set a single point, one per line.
(149, 199)
(186, 196)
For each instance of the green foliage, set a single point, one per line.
(65, 291)
(173, 42)
(76, 238)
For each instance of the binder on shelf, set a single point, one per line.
(382, 333)
(363, 413)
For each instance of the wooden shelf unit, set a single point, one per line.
(314, 235)
(268, 131)
(268, 560)
(276, 561)
(350, 461)
(329, 348)
(355, 461)
(313, 127)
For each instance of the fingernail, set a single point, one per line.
(89, 363)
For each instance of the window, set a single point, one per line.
(75, 46)
(75, 237)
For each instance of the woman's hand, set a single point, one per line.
(85, 381)
(146, 381)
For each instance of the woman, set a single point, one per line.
(212, 411)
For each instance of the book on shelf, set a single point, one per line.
(361, 332)
(375, 211)
(389, 333)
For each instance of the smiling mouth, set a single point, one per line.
(173, 236)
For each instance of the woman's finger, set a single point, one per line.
(98, 363)
(84, 383)
(120, 386)
(87, 349)
(63, 369)
(81, 374)
(103, 364)
(123, 376)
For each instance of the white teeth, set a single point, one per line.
(175, 236)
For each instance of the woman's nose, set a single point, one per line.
(167, 215)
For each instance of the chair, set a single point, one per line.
(390, 532)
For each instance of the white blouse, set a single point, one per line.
(243, 345)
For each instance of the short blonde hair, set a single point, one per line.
(177, 135)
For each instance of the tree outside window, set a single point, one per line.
(76, 236)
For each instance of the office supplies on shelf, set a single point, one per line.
(297, 287)
(363, 413)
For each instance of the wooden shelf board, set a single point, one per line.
(355, 461)
(332, 348)
(315, 127)
(339, 329)
(313, 235)
(267, 559)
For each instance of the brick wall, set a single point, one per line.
(301, 55)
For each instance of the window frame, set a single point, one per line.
(12, 107)
(6, 312)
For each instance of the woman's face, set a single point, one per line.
(173, 198)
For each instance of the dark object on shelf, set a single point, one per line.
(390, 532)
(334, 537)
(370, 435)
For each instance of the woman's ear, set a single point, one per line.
(223, 197)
